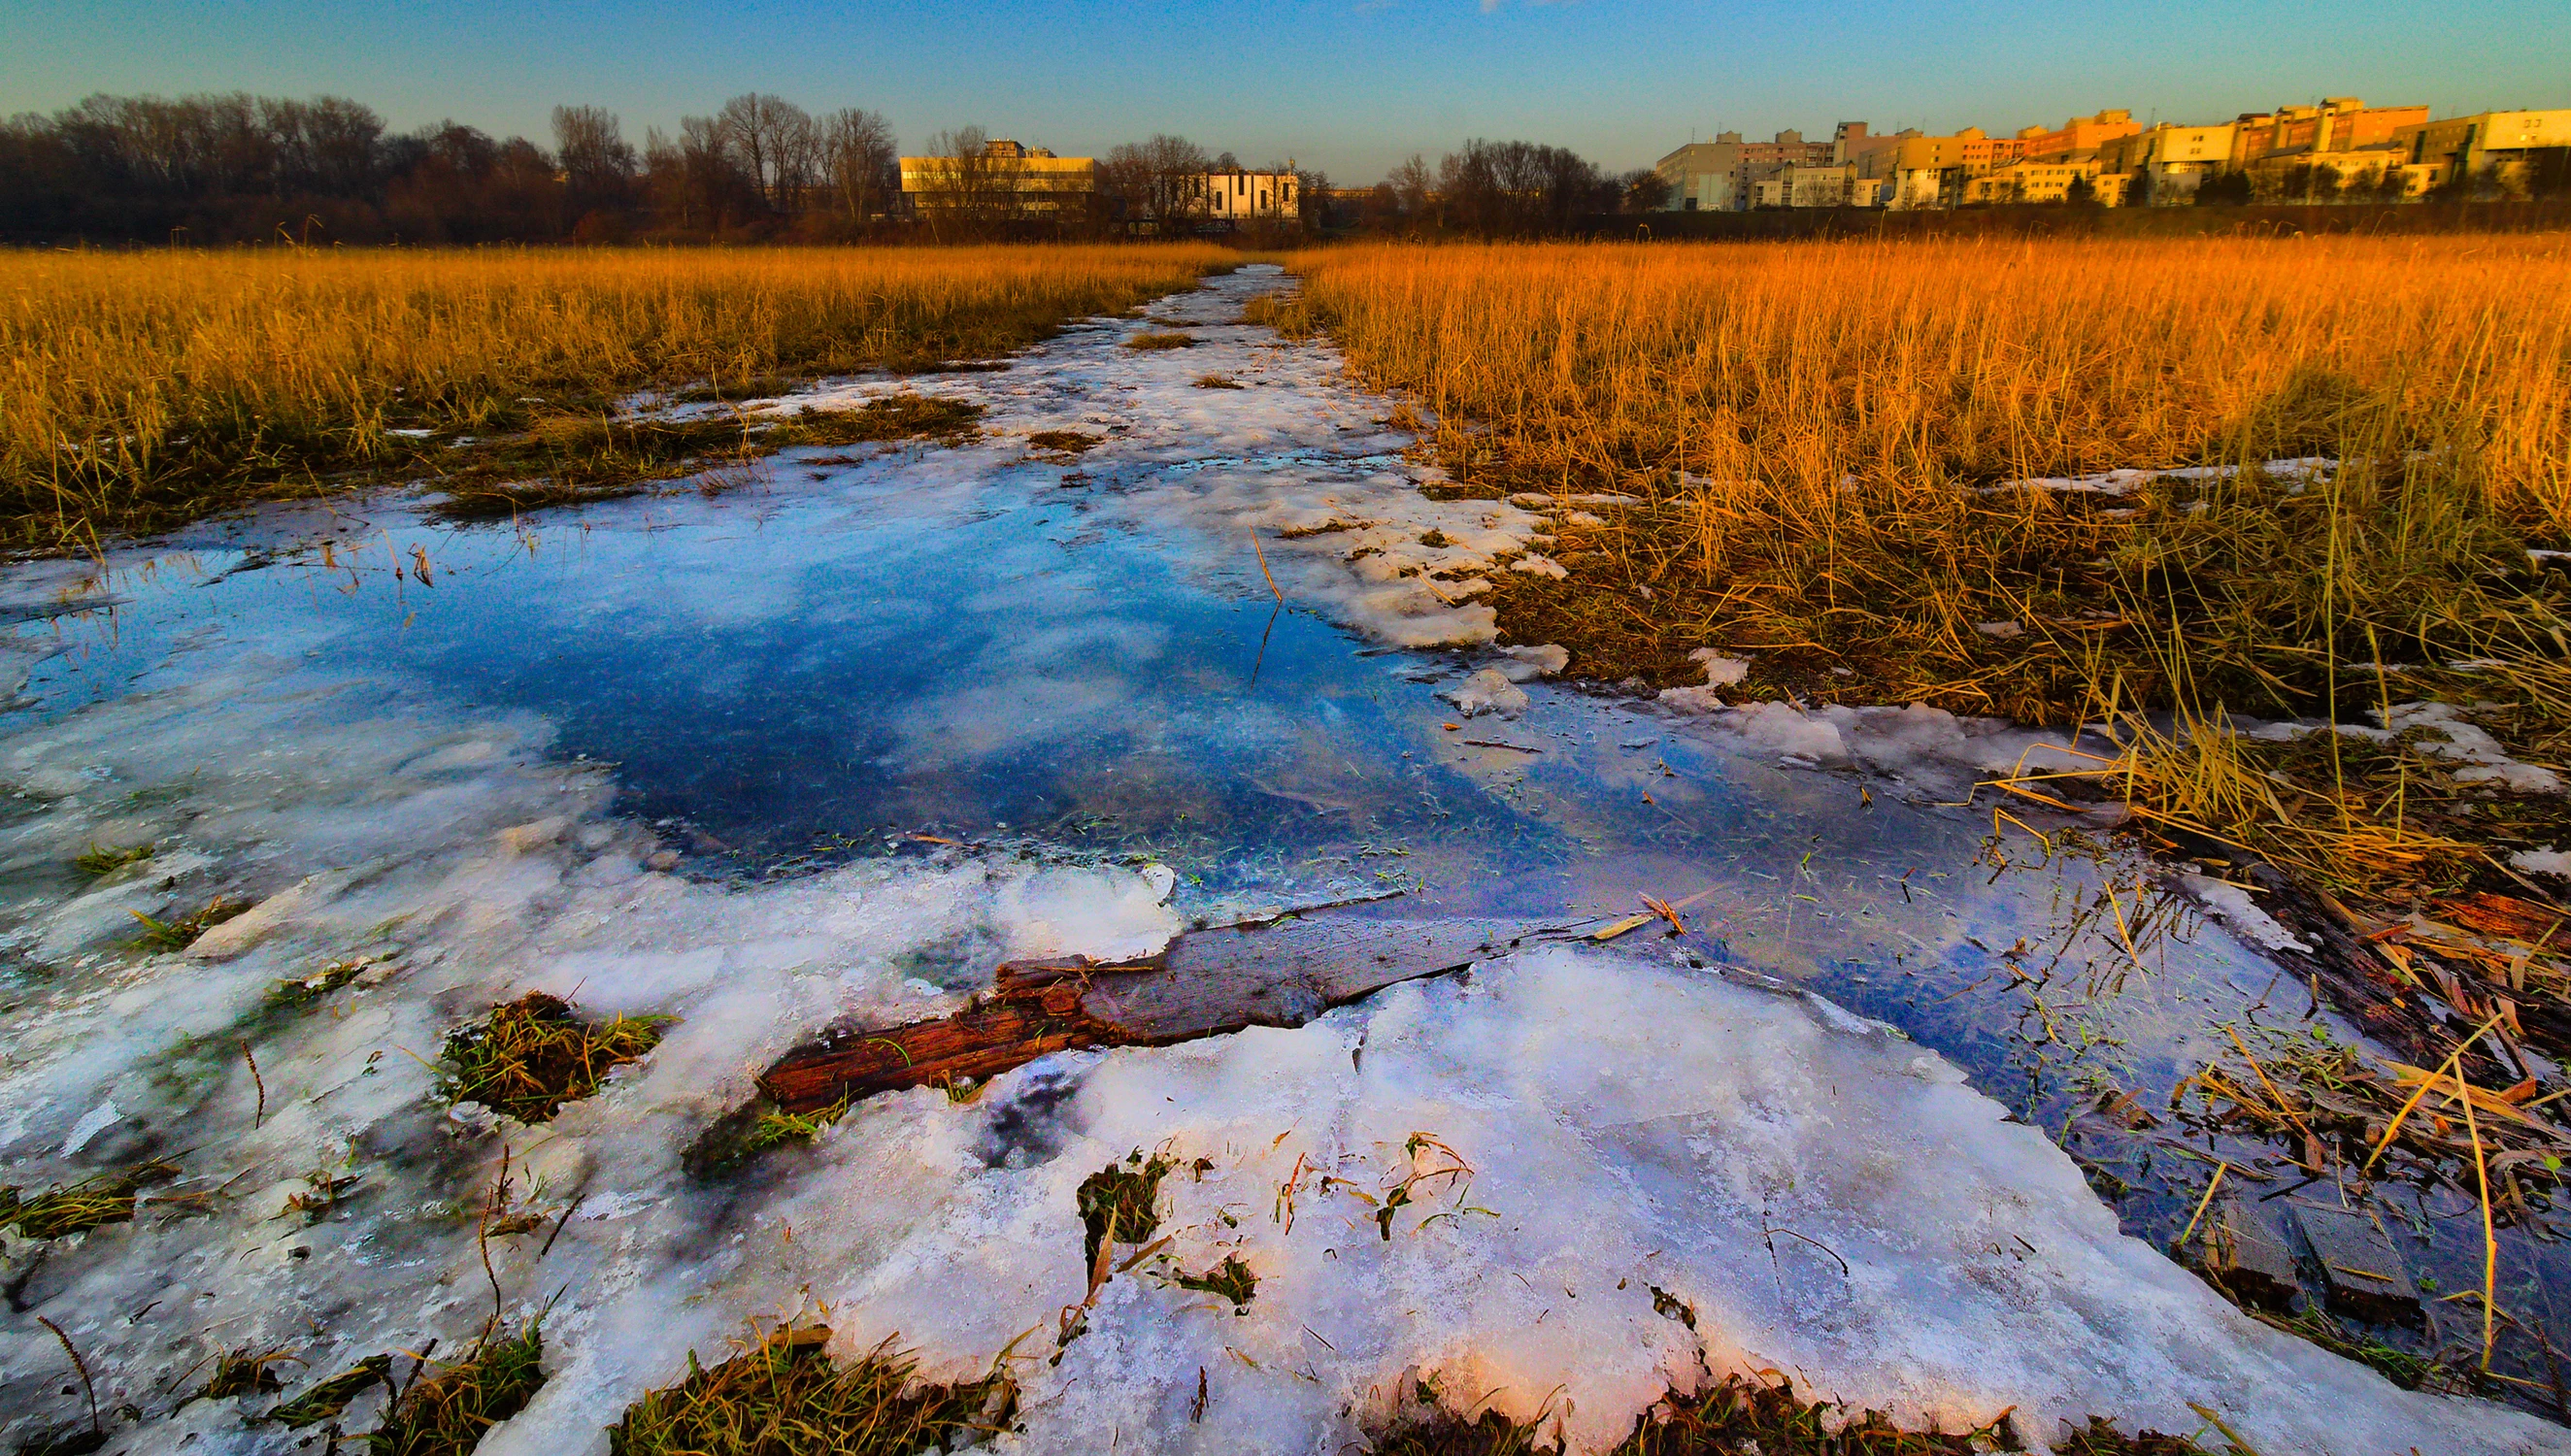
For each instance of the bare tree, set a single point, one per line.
(1161, 178)
(591, 145)
(975, 180)
(1412, 184)
(774, 141)
(859, 162)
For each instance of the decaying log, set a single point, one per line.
(1205, 983)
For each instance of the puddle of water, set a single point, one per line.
(993, 646)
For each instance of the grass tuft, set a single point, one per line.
(181, 933)
(783, 1398)
(1151, 341)
(99, 860)
(447, 1413)
(1121, 1197)
(245, 1372)
(1231, 1280)
(895, 417)
(77, 1207)
(328, 1398)
(532, 1054)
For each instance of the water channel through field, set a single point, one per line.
(998, 652)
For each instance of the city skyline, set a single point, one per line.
(1347, 88)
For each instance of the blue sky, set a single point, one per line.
(1351, 86)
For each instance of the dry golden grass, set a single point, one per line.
(142, 387)
(1777, 370)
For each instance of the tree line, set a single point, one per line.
(240, 167)
(237, 167)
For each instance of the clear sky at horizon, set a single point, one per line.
(1350, 86)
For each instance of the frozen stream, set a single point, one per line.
(829, 745)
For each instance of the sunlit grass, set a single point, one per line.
(144, 388)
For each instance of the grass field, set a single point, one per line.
(1817, 439)
(141, 388)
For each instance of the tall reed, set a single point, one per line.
(145, 384)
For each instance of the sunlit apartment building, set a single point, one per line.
(1236, 196)
(2493, 144)
(2176, 160)
(1007, 178)
(2078, 137)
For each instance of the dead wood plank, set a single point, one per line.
(1207, 983)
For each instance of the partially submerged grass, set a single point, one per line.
(532, 1054)
(140, 389)
(1740, 1415)
(1151, 339)
(783, 1398)
(569, 460)
(332, 976)
(246, 1372)
(1218, 381)
(446, 1413)
(1067, 442)
(2401, 1367)
(99, 859)
(748, 1132)
(106, 1197)
(2343, 1112)
(181, 933)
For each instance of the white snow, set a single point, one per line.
(1830, 1202)
(2296, 473)
(2232, 904)
(1720, 671)
(2547, 861)
(1487, 691)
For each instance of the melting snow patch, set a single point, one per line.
(2295, 472)
(1945, 1262)
(1536, 662)
(2232, 905)
(2487, 761)
(1720, 671)
(1488, 691)
(2547, 861)
(96, 1120)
